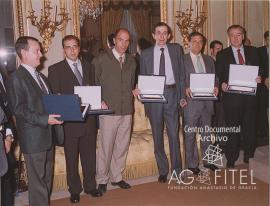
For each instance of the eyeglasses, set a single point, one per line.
(74, 47)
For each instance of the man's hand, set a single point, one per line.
(266, 82)
(216, 91)
(136, 92)
(104, 105)
(52, 120)
(259, 79)
(183, 103)
(188, 92)
(8, 142)
(224, 87)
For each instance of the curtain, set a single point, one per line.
(141, 20)
(110, 21)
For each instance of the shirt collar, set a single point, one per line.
(70, 62)
(157, 47)
(235, 49)
(29, 68)
(117, 55)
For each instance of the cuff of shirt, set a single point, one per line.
(9, 132)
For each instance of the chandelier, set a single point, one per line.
(187, 22)
(46, 24)
(90, 8)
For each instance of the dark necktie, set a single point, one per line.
(77, 73)
(240, 57)
(41, 84)
(162, 63)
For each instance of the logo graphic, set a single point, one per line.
(204, 177)
(213, 155)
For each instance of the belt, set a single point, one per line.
(170, 86)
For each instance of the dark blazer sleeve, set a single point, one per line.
(143, 65)
(182, 72)
(18, 93)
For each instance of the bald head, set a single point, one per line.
(121, 40)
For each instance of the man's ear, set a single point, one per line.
(114, 41)
(169, 36)
(153, 35)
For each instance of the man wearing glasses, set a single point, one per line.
(80, 137)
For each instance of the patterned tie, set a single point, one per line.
(121, 62)
(240, 57)
(162, 63)
(41, 84)
(199, 65)
(77, 73)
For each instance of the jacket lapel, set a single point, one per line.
(69, 74)
(28, 77)
(85, 74)
(206, 63)
(151, 63)
(190, 65)
(231, 56)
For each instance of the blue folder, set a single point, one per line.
(68, 106)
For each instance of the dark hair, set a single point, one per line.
(162, 24)
(110, 39)
(70, 37)
(22, 43)
(144, 44)
(214, 42)
(195, 33)
(236, 26)
(266, 34)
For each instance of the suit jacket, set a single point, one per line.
(226, 57)
(176, 55)
(63, 80)
(195, 106)
(25, 95)
(264, 61)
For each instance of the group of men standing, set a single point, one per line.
(114, 71)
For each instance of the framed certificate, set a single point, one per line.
(202, 86)
(91, 95)
(242, 79)
(152, 89)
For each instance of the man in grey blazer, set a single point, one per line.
(34, 126)
(165, 59)
(197, 113)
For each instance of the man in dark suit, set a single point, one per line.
(34, 126)
(7, 131)
(240, 109)
(165, 59)
(263, 93)
(197, 113)
(80, 137)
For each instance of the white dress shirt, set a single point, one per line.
(79, 65)
(168, 64)
(194, 61)
(235, 54)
